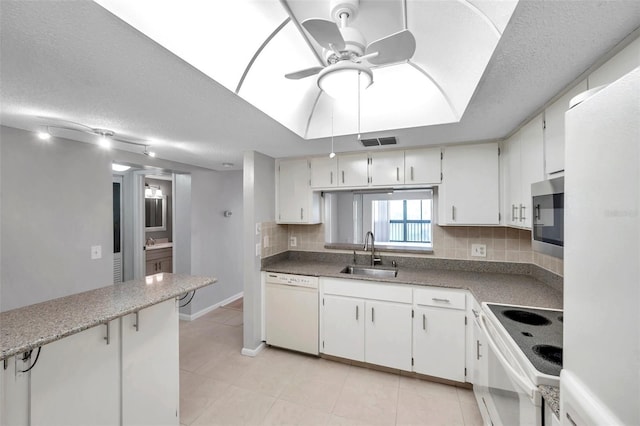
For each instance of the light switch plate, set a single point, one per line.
(293, 241)
(96, 252)
(257, 249)
(265, 241)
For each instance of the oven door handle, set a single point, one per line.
(516, 377)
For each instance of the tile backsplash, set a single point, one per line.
(503, 244)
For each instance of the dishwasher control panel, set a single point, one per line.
(290, 279)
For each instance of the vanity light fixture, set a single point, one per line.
(152, 191)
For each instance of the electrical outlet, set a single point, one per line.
(258, 228)
(293, 241)
(265, 241)
(96, 252)
(479, 250)
(257, 249)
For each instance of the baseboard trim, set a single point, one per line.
(191, 317)
(253, 352)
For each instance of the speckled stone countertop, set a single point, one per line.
(26, 328)
(551, 395)
(514, 287)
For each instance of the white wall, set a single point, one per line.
(216, 241)
(56, 204)
(259, 206)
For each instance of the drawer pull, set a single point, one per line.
(331, 178)
(424, 322)
(372, 315)
(397, 173)
(343, 176)
(437, 299)
(478, 344)
(411, 172)
(136, 325)
(357, 310)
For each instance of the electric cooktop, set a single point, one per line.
(537, 332)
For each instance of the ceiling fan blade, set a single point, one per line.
(393, 48)
(303, 73)
(325, 32)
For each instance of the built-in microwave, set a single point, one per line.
(548, 216)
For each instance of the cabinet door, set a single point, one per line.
(422, 166)
(469, 194)
(388, 334)
(439, 342)
(293, 186)
(554, 130)
(324, 172)
(343, 322)
(387, 168)
(531, 166)
(512, 180)
(150, 367)
(353, 170)
(77, 380)
(166, 264)
(14, 392)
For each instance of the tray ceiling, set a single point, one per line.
(248, 46)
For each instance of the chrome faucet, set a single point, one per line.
(374, 260)
(150, 241)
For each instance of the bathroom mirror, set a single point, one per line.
(155, 214)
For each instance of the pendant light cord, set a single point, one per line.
(359, 72)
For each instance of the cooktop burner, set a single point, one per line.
(525, 317)
(537, 332)
(550, 353)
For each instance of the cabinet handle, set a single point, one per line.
(136, 325)
(331, 178)
(424, 322)
(437, 299)
(537, 211)
(398, 174)
(343, 176)
(372, 315)
(411, 168)
(108, 336)
(453, 213)
(357, 311)
(478, 356)
(301, 213)
(522, 208)
(513, 214)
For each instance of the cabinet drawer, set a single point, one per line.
(366, 290)
(451, 299)
(155, 254)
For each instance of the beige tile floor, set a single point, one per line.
(218, 386)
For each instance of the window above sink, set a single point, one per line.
(400, 220)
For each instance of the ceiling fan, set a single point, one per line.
(346, 52)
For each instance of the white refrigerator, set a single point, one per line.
(600, 380)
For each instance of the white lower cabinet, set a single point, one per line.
(14, 392)
(368, 322)
(77, 379)
(150, 366)
(343, 327)
(388, 334)
(439, 332)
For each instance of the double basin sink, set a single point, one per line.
(369, 271)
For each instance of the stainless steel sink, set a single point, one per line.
(370, 272)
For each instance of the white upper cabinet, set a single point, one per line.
(296, 202)
(554, 130)
(324, 172)
(622, 63)
(387, 168)
(469, 193)
(353, 169)
(422, 166)
(523, 157)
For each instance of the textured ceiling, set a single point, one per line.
(76, 61)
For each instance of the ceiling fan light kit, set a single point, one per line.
(340, 80)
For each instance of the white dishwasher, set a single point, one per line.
(291, 312)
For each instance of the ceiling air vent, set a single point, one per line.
(379, 141)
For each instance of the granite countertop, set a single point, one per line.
(35, 325)
(508, 288)
(551, 395)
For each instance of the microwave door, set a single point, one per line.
(548, 218)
